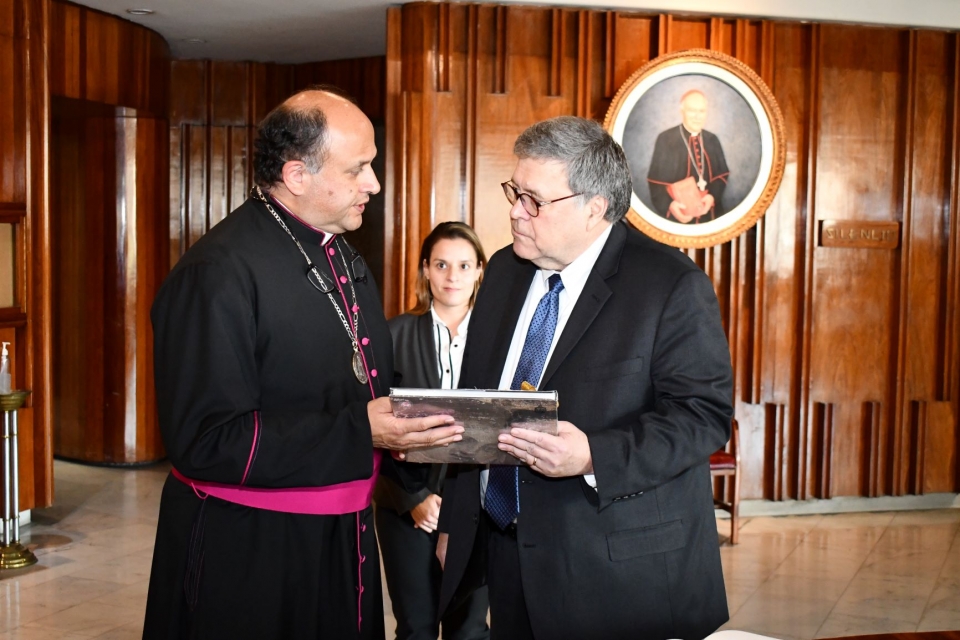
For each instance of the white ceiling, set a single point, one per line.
(310, 30)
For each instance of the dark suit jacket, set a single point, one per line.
(415, 365)
(643, 368)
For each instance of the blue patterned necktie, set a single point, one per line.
(502, 499)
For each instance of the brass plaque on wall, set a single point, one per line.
(853, 234)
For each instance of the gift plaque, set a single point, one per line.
(484, 415)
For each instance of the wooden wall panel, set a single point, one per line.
(23, 116)
(110, 78)
(144, 273)
(112, 254)
(771, 378)
(104, 59)
(214, 109)
(13, 146)
(950, 294)
(79, 282)
(923, 262)
(856, 286)
(846, 359)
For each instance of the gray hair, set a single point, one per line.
(595, 163)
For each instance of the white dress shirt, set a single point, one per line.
(449, 349)
(574, 278)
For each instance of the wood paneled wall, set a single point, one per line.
(110, 244)
(109, 80)
(24, 108)
(48, 47)
(105, 60)
(847, 360)
(214, 110)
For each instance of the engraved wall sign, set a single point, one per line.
(854, 234)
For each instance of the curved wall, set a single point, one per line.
(108, 201)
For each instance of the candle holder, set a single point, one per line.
(13, 555)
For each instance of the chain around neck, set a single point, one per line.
(352, 331)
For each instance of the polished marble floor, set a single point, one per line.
(790, 577)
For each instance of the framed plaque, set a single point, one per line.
(483, 413)
(703, 136)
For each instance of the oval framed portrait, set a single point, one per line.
(703, 136)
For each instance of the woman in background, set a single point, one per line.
(428, 346)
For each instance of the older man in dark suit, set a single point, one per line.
(606, 530)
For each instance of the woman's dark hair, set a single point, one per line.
(445, 231)
(289, 133)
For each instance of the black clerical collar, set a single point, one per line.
(315, 234)
(689, 134)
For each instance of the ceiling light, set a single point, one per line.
(140, 12)
(195, 40)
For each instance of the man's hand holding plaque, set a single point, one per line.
(484, 416)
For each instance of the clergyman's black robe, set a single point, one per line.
(239, 329)
(671, 163)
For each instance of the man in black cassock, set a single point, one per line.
(272, 357)
(684, 151)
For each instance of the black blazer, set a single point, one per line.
(643, 368)
(415, 366)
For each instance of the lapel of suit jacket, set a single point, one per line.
(510, 309)
(594, 295)
(428, 349)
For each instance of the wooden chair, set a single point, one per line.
(727, 464)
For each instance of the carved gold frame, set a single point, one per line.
(685, 62)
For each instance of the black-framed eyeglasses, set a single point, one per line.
(530, 204)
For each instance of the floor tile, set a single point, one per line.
(940, 620)
(88, 619)
(943, 607)
(132, 596)
(939, 516)
(132, 631)
(839, 624)
(124, 570)
(784, 607)
(897, 599)
(783, 525)
(27, 633)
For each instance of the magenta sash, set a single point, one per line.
(336, 499)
